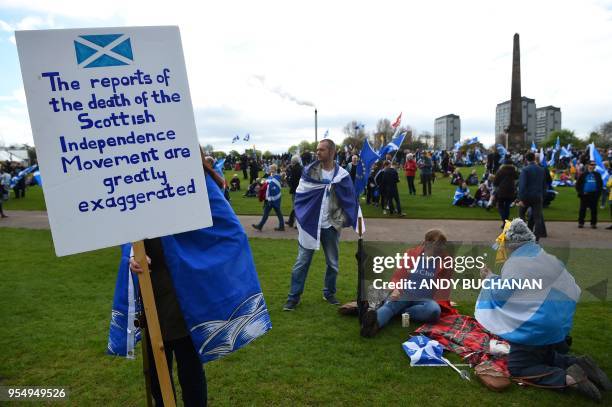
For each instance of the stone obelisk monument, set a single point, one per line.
(516, 129)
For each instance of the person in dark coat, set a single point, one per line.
(505, 189)
(589, 187)
(253, 171)
(390, 179)
(294, 173)
(532, 187)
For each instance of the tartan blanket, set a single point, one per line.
(464, 336)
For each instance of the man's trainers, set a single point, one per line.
(256, 227)
(594, 373)
(369, 324)
(331, 299)
(583, 384)
(290, 305)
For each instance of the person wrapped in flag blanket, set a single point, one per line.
(535, 321)
(272, 200)
(207, 295)
(325, 202)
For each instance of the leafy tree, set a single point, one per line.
(292, 150)
(353, 129)
(267, 154)
(307, 145)
(234, 153)
(603, 137)
(565, 137)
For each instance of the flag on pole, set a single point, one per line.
(557, 144)
(326, 133)
(471, 141)
(543, 158)
(235, 139)
(599, 167)
(219, 166)
(367, 158)
(397, 121)
(565, 153)
(502, 152)
(247, 137)
(359, 126)
(533, 146)
(394, 144)
(457, 146)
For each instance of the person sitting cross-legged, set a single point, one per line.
(421, 304)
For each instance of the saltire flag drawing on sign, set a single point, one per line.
(94, 51)
(216, 285)
(534, 317)
(397, 121)
(394, 144)
(599, 166)
(309, 200)
(367, 158)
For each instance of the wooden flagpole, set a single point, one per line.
(153, 329)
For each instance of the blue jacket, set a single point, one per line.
(532, 182)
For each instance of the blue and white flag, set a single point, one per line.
(460, 193)
(216, 285)
(219, 166)
(309, 201)
(599, 167)
(533, 146)
(478, 154)
(423, 351)
(565, 153)
(247, 137)
(274, 191)
(502, 152)
(529, 316)
(543, 158)
(558, 144)
(326, 133)
(359, 126)
(394, 144)
(472, 141)
(367, 159)
(37, 178)
(235, 139)
(457, 146)
(22, 174)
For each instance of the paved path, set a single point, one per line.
(561, 234)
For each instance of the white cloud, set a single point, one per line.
(366, 60)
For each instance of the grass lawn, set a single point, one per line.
(55, 318)
(438, 206)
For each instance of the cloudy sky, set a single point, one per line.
(259, 67)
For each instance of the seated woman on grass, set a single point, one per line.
(462, 196)
(456, 178)
(472, 178)
(536, 321)
(423, 305)
(483, 196)
(235, 183)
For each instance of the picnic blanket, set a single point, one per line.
(464, 336)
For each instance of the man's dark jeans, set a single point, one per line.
(536, 214)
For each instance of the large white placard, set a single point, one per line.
(115, 135)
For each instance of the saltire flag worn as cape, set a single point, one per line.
(460, 193)
(216, 285)
(534, 317)
(309, 199)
